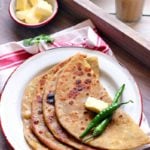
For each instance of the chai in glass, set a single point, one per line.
(129, 10)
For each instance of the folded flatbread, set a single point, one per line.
(37, 121)
(49, 108)
(26, 116)
(76, 82)
(33, 96)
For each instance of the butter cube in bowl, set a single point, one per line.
(33, 13)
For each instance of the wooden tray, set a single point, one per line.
(109, 6)
(111, 28)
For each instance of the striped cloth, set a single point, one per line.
(81, 35)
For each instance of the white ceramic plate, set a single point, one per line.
(112, 76)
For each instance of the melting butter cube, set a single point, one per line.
(21, 15)
(31, 18)
(22, 5)
(95, 105)
(43, 9)
(33, 2)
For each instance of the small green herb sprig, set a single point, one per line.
(38, 39)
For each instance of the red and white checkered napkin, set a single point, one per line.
(82, 35)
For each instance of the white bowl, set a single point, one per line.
(12, 12)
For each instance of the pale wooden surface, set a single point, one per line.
(9, 31)
(142, 26)
(109, 5)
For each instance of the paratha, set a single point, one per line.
(35, 87)
(26, 116)
(37, 121)
(49, 108)
(76, 82)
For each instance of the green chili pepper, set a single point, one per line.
(118, 94)
(101, 116)
(99, 129)
(95, 121)
(102, 126)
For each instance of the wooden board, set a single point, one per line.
(109, 6)
(112, 28)
(142, 26)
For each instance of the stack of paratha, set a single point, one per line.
(54, 115)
